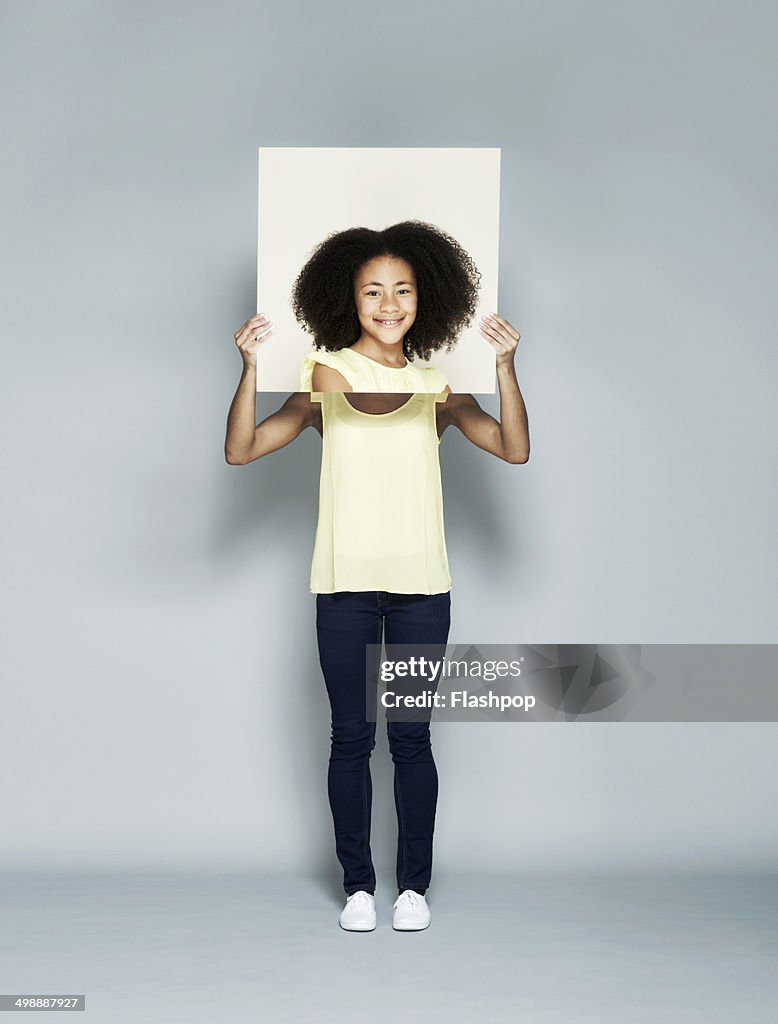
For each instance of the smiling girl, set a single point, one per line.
(374, 301)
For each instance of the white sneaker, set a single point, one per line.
(411, 912)
(358, 915)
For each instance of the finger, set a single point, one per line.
(252, 320)
(497, 343)
(504, 323)
(505, 336)
(492, 330)
(505, 329)
(251, 326)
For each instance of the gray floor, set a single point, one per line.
(234, 948)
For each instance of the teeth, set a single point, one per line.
(389, 323)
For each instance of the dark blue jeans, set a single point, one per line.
(345, 622)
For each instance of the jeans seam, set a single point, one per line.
(367, 810)
(403, 838)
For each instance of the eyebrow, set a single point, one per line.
(380, 283)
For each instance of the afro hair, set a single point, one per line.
(447, 285)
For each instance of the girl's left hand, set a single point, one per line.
(502, 336)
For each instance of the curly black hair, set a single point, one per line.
(447, 285)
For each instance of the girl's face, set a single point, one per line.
(385, 296)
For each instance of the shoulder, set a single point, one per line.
(324, 371)
(325, 378)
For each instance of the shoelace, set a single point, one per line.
(359, 897)
(410, 897)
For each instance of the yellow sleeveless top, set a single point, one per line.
(380, 523)
(365, 374)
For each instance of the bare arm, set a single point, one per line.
(507, 438)
(246, 442)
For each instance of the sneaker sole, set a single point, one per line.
(357, 927)
(410, 927)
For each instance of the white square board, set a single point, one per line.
(307, 193)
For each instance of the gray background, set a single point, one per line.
(162, 700)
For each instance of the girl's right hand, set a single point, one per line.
(251, 335)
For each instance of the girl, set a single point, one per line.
(374, 300)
